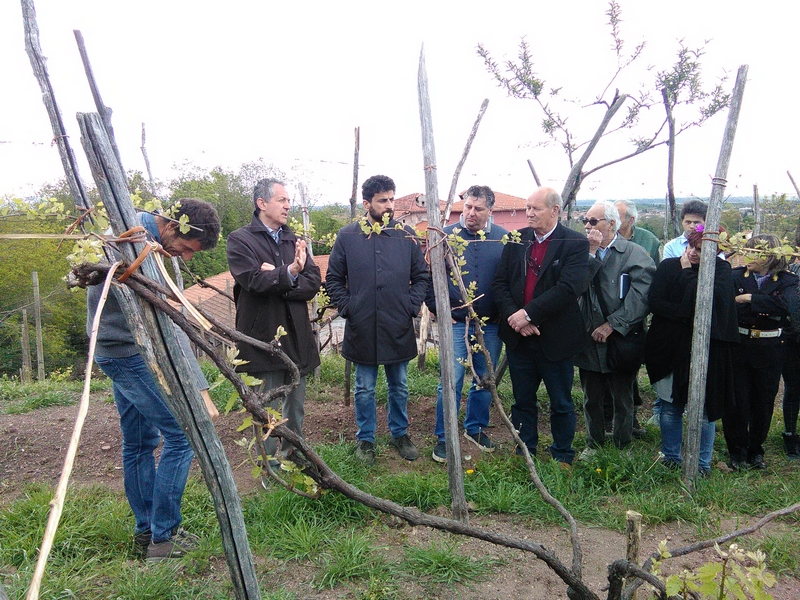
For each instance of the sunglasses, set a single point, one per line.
(593, 222)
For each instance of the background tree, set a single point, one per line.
(781, 215)
(681, 85)
(520, 80)
(63, 312)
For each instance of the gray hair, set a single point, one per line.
(611, 212)
(265, 188)
(553, 198)
(481, 191)
(630, 208)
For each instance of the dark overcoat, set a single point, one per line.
(378, 282)
(768, 309)
(266, 300)
(669, 340)
(554, 307)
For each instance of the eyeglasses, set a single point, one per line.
(593, 222)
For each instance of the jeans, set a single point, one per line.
(528, 367)
(672, 435)
(364, 404)
(479, 400)
(154, 493)
(292, 408)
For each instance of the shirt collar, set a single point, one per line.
(602, 251)
(149, 223)
(545, 236)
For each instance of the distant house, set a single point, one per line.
(509, 211)
(218, 305)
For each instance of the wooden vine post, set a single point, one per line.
(25, 374)
(698, 369)
(60, 138)
(155, 337)
(436, 249)
(354, 195)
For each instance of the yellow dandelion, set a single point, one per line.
(470, 471)
(599, 470)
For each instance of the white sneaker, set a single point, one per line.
(588, 454)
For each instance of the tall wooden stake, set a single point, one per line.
(37, 316)
(307, 238)
(794, 185)
(533, 172)
(698, 369)
(26, 349)
(354, 195)
(436, 247)
(451, 196)
(154, 333)
(757, 216)
(60, 137)
(105, 111)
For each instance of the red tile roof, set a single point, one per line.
(502, 202)
(218, 305)
(409, 204)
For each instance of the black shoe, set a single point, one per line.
(738, 465)
(639, 433)
(791, 443)
(480, 440)
(440, 453)
(177, 546)
(365, 452)
(519, 452)
(757, 462)
(141, 541)
(405, 447)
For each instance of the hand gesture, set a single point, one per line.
(299, 258)
(595, 237)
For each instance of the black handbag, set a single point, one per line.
(624, 353)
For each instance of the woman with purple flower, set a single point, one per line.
(669, 344)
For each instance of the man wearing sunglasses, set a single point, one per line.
(614, 300)
(536, 289)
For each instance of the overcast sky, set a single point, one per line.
(230, 82)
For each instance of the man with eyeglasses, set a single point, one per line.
(536, 290)
(614, 300)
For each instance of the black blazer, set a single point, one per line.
(554, 308)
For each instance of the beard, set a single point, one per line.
(377, 216)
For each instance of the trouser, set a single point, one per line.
(755, 387)
(594, 385)
(154, 493)
(791, 386)
(672, 435)
(528, 367)
(292, 408)
(364, 400)
(476, 417)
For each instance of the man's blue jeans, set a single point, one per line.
(154, 493)
(478, 400)
(672, 435)
(396, 378)
(528, 367)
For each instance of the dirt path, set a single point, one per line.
(32, 447)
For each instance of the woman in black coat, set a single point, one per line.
(764, 288)
(669, 344)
